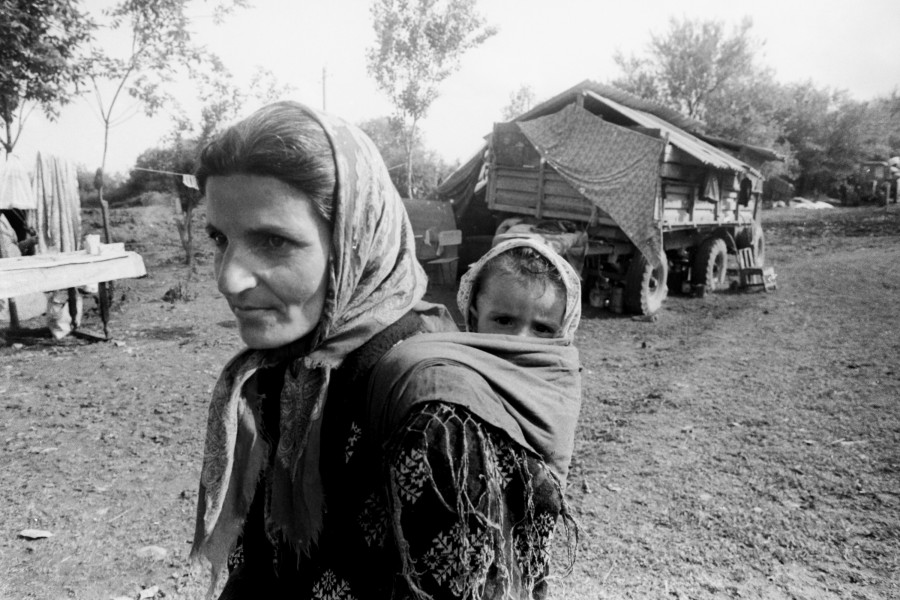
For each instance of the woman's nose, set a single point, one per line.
(234, 272)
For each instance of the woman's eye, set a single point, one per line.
(218, 239)
(275, 242)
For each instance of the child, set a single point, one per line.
(521, 287)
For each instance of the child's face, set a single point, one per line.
(510, 305)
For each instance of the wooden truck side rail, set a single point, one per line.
(544, 194)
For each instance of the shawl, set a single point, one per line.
(374, 279)
(570, 278)
(530, 388)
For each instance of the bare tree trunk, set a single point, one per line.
(410, 144)
(100, 184)
(185, 226)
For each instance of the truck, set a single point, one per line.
(621, 187)
(876, 180)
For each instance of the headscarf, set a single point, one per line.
(570, 278)
(374, 279)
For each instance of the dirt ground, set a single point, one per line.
(744, 445)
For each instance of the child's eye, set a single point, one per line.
(504, 321)
(545, 331)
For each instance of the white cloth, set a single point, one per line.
(15, 186)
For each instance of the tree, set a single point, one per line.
(429, 168)
(746, 110)
(520, 102)
(824, 130)
(222, 101)
(689, 64)
(418, 44)
(39, 59)
(881, 128)
(160, 46)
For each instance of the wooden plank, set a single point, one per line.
(676, 204)
(540, 191)
(673, 215)
(48, 272)
(675, 171)
(562, 189)
(517, 184)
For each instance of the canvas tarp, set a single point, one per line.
(617, 169)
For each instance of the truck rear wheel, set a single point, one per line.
(710, 264)
(645, 287)
(753, 237)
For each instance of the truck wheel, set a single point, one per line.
(753, 237)
(645, 287)
(710, 264)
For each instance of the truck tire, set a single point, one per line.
(710, 264)
(753, 237)
(645, 287)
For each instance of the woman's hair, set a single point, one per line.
(282, 140)
(524, 263)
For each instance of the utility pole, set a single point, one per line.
(324, 78)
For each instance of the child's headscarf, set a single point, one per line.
(570, 279)
(374, 279)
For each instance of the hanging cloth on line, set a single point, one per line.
(186, 178)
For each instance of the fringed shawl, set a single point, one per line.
(530, 388)
(374, 279)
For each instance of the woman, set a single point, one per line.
(315, 256)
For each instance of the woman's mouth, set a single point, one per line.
(248, 310)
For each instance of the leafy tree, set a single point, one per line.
(418, 44)
(638, 77)
(39, 60)
(160, 48)
(685, 67)
(824, 130)
(222, 101)
(520, 102)
(429, 168)
(699, 70)
(881, 128)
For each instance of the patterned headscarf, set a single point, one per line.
(570, 279)
(374, 279)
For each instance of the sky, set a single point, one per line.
(549, 45)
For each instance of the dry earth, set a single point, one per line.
(744, 445)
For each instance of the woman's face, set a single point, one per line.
(509, 305)
(272, 252)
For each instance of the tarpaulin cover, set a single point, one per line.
(58, 215)
(15, 186)
(615, 168)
